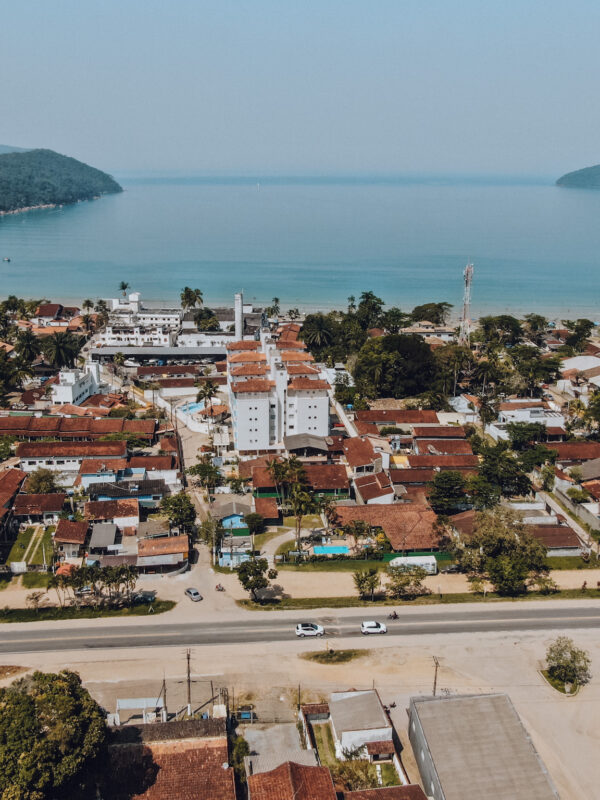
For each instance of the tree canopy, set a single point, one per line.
(52, 739)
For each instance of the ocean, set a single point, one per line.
(312, 242)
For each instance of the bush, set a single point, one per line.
(567, 663)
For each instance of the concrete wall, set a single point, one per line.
(427, 771)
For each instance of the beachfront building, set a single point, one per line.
(135, 335)
(131, 309)
(275, 391)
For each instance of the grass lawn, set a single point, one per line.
(261, 539)
(36, 580)
(389, 774)
(334, 656)
(285, 547)
(572, 562)
(5, 579)
(56, 613)
(45, 544)
(20, 546)
(289, 603)
(332, 565)
(324, 742)
(309, 521)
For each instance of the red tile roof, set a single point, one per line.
(443, 461)
(109, 509)
(380, 748)
(554, 536)
(73, 449)
(168, 444)
(245, 467)
(266, 507)
(299, 384)
(302, 369)
(439, 432)
(525, 403)
(373, 486)
(289, 343)
(72, 532)
(410, 792)
(176, 383)
(48, 310)
(366, 428)
(407, 525)
(169, 369)
(92, 466)
(175, 770)
(295, 356)
(292, 781)
(321, 477)
(38, 504)
(576, 451)
(444, 446)
(464, 522)
(150, 463)
(412, 475)
(252, 386)
(358, 451)
(246, 358)
(398, 417)
(10, 483)
(249, 369)
(243, 345)
(163, 546)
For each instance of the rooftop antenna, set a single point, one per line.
(465, 322)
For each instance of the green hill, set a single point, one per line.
(43, 177)
(587, 178)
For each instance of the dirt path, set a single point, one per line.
(33, 544)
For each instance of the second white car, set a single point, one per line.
(372, 627)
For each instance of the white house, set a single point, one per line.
(137, 335)
(74, 386)
(66, 457)
(357, 719)
(132, 308)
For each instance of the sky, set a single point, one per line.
(305, 86)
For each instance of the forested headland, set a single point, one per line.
(42, 177)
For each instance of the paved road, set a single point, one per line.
(276, 629)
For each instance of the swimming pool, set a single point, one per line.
(191, 408)
(331, 549)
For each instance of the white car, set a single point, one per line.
(372, 627)
(309, 629)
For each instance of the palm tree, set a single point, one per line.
(275, 307)
(317, 332)
(191, 298)
(87, 321)
(62, 349)
(293, 313)
(351, 304)
(28, 346)
(277, 472)
(88, 304)
(123, 286)
(302, 503)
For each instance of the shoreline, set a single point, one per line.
(28, 208)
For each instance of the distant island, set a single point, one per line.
(42, 178)
(587, 178)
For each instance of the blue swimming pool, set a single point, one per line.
(331, 549)
(191, 408)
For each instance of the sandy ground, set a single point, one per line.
(565, 730)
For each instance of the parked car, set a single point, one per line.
(309, 629)
(371, 626)
(451, 569)
(193, 594)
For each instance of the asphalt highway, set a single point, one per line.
(500, 618)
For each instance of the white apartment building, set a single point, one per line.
(131, 309)
(275, 391)
(135, 336)
(74, 386)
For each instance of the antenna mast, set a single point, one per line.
(465, 323)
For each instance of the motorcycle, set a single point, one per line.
(219, 587)
(393, 615)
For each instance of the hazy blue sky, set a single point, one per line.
(492, 86)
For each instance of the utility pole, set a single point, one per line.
(465, 323)
(189, 683)
(437, 666)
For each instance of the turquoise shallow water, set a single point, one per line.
(313, 242)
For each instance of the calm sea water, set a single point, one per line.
(313, 242)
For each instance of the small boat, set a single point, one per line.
(6, 258)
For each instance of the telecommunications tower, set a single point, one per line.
(465, 323)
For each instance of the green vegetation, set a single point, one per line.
(20, 546)
(260, 539)
(567, 663)
(558, 684)
(36, 580)
(179, 510)
(310, 603)
(571, 562)
(45, 546)
(43, 177)
(334, 656)
(255, 575)
(586, 178)
(83, 612)
(324, 742)
(309, 521)
(43, 481)
(53, 738)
